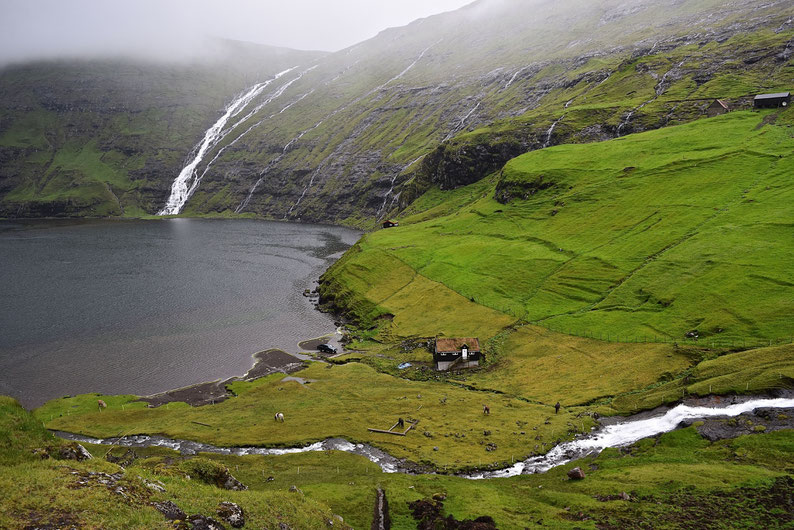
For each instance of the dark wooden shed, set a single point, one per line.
(772, 101)
(389, 223)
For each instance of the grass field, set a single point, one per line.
(643, 238)
(347, 399)
(675, 479)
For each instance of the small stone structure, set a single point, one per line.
(716, 108)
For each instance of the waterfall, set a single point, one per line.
(658, 89)
(660, 85)
(409, 67)
(547, 143)
(187, 180)
(462, 122)
(514, 77)
(244, 204)
(381, 211)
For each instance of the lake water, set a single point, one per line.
(146, 306)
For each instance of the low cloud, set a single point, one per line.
(179, 29)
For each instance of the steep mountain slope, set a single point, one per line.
(103, 138)
(352, 135)
(664, 235)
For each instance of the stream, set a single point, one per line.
(621, 433)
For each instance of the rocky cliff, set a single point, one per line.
(355, 135)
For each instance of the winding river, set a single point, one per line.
(619, 434)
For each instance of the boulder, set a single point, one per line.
(170, 511)
(155, 486)
(232, 514)
(202, 522)
(576, 474)
(74, 451)
(231, 483)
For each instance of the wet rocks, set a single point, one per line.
(232, 514)
(576, 474)
(155, 486)
(202, 522)
(759, 421)
(170, 510)
(74, 451)
(232, 483)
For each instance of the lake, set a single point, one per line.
(146, 306)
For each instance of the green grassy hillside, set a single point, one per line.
(353, 136)
(643, 238)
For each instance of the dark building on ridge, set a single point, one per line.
(772, 101)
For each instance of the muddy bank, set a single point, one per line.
(266, 363)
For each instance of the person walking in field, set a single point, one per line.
(486, 409)
(557, 408)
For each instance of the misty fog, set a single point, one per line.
(182, 29)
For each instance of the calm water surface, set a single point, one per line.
(145, 306)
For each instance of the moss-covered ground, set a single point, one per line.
(47, 493)
(647, 238)
(671, 481)
(582, 282)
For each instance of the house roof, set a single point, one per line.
(773, 96)
(390, 222)
(454, 345)
(722, 103)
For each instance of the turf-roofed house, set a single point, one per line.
(457, 353)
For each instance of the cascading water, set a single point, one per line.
(381, 211)
(658, 89)
(462, 123)
(547, 143)
(322, 163)
(616, 435)
(185, 184)
(515, 75)
(626, 433)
